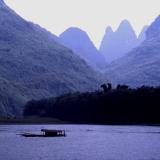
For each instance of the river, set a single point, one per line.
(83, 142)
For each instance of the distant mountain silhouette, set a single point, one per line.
(141, 65)
(80, 43)
(116, 44)
(34, 65)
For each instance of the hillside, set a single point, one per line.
(34, 65)
(141, 65)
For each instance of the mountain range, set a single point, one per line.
(141, 65)
(116, 44)
(34, 65)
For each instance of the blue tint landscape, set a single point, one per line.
(36, 64)
(98, 95)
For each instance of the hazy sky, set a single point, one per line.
(92, 16)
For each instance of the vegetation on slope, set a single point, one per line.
(122, 105)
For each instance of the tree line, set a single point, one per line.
(120, 105)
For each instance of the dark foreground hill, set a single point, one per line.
(111, 106)
(34, 65)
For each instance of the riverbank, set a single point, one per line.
(38, 120)
(30, 120)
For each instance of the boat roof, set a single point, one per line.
(51, 130)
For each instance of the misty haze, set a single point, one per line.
(71, 95)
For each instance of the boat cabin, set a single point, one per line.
(47, 132)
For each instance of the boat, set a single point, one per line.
(46, 133)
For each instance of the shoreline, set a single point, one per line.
(29, 121)
(49, 121)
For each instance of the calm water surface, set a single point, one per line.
(83, 142)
